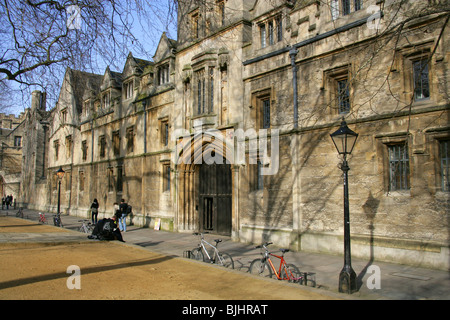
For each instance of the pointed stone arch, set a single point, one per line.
(205, 184)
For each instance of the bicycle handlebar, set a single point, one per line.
(264, 245)
(199, 233)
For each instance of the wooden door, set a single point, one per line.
(215, 198)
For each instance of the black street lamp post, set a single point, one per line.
(60, 174)
(344, 140)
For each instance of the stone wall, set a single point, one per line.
(301, 204)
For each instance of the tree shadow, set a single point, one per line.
(89, 270)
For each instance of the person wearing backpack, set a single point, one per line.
(123, 208)
(106, 229)
(94, 211)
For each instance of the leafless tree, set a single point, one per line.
(394, 23)
(40, 39)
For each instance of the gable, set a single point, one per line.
(74, 87)
(264, 7)
(106, 79)
(66, 99)
(111, 79)
(165, 48)
(134, 66)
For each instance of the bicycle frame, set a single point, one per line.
(85, 226)
(19, 213)
(217, 257)
(288, 272)
(288, 275)
(216, 251)
(42, 217)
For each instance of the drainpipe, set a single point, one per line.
(144, 105)
(292, 53)
(92, 140)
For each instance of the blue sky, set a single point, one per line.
(148, 33)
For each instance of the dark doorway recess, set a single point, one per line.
(215, 198)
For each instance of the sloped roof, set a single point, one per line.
(135, 63)
(81, 83)
(165, 48)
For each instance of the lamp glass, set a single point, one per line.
(60, 173)
(344, 139)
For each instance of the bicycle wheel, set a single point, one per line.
(260, 267)
(224, 259)
(19, 214)
(293, 273)
(197, 254)
(57, 221)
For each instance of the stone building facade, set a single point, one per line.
(228, 129)
(11, 139)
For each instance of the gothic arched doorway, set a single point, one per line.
(205, 187)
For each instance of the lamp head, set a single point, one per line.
(60, 173)
(344, 139)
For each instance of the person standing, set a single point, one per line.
(8, 199)
(123, 208)
(116, 211)
(94, 211)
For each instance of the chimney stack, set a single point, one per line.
(38, 100)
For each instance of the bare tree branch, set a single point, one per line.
(40, 39)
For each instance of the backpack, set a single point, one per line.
(106, 232)
(107, 227)
(129, 209)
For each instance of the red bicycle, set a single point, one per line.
(42, 218)
(264, 266)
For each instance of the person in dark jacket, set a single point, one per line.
(106, 229)
(123, 208)
(94, 211)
